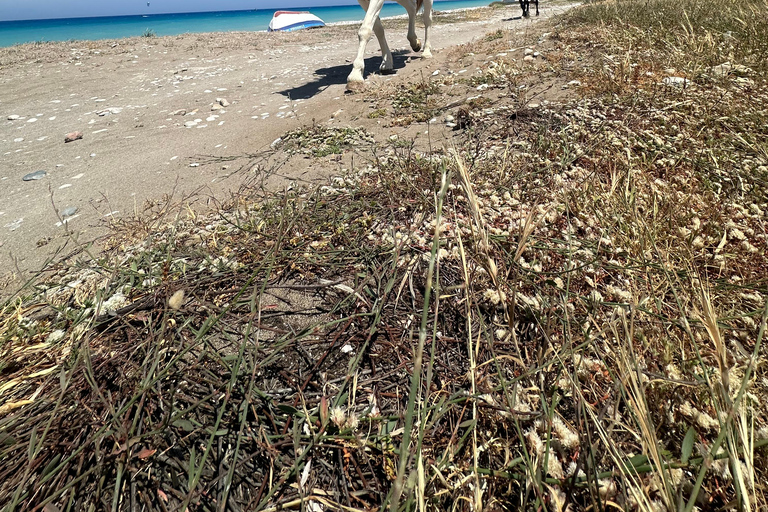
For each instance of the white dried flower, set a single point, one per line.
(114, 303)
(352, 421)
(568, 438)
(738, 234)
(607, 488)
(554, 467)
(176, 300)
(494, 296)
(595, 296)
(620, 294)
(56, 336)
(534, 442)
(338, 417)
(696, 224)
(749, 247)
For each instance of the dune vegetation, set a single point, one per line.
(566, 310)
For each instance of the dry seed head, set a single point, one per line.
(176, 300)
(554, 467)
(56, 336)
(114, 303)
(607, 488)
(568, 438)
(534, 442)
(338, 417)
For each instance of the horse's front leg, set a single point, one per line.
(372, 10)
(537, 6)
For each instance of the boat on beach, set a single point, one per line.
(287, 21)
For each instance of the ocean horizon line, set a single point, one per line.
(168, 24)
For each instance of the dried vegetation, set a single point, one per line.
(566, 310)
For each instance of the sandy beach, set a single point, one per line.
(176, 115)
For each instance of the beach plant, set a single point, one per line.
(564, 309)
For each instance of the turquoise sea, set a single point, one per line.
(16, 32)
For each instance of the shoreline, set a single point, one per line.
(60, 28)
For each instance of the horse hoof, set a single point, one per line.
(416, 46)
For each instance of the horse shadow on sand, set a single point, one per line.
(326, 77)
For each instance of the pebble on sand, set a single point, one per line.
(68, 212)
(73, 136)
(14, 117)
(37, 175)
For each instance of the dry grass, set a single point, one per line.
(565, 310)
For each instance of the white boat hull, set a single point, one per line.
(287, 21)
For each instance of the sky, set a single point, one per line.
(44, 9)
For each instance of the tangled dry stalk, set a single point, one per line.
(566, 310)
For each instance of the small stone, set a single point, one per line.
(436, 72)
(13, 117)
(216, 106)
(190, 124)
(450, 125)
(528, 51)
(33, 176)
(536, 54)
(574, 83)
(449, 118)
(73, 136)
(13, 226)
(223, 102)
(68, 212)
(528, 58)
(676, 81)
(179, 112)
(195, 164)
(722, 69)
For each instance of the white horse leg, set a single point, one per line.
(427, 16)
(387, 62)
(372, 11)
(411, 9)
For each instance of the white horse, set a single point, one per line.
(372, 25)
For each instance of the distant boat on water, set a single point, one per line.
(287, 21)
